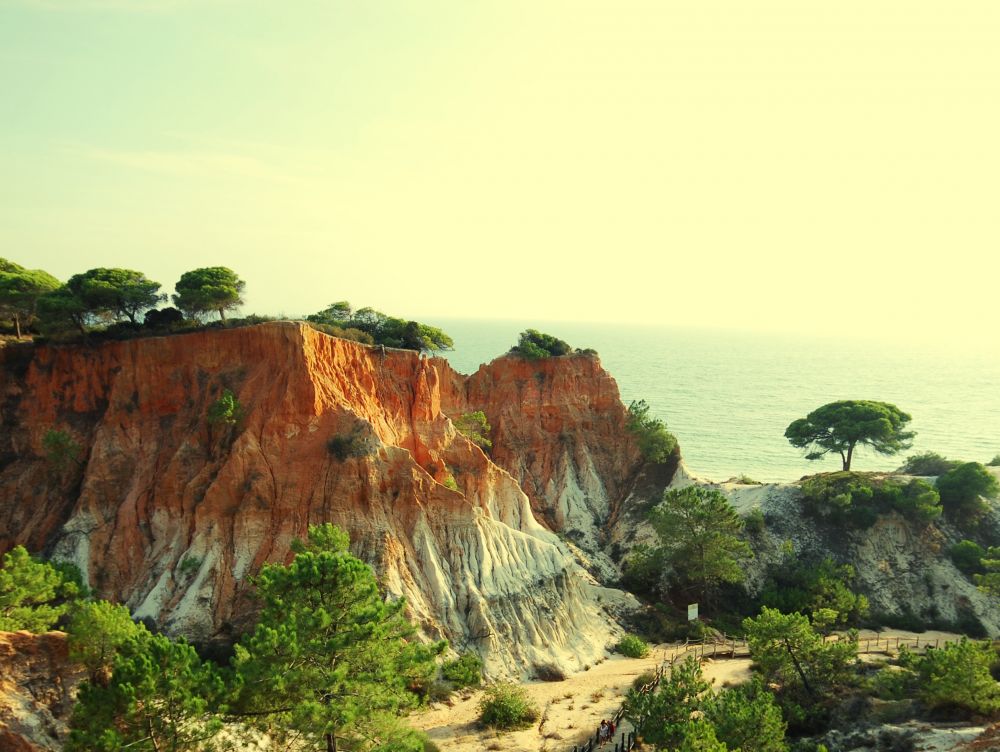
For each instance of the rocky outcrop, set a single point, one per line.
(37, 689)
(558, 427)
(901, 566)
(109, 458)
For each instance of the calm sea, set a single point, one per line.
(728, 396)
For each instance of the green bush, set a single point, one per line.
(656, 443)
(753, 521)
(968, 557)
(535, 345)
(813, 587)
(450, 483)
(61, 451)
(928, 463)
(956, 675)
(33, 594)
(995, 462)
(225, 410)
(374, 327)
(506, 706)
(632, 647)
(464, 671)
(962, 487)
(857, 499)
(475, 428)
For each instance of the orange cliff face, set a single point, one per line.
(558, 427)
(169, 512)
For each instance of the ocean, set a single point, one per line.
(728, 396)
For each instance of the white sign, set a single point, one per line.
(692, 611)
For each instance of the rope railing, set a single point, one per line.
(729, 648)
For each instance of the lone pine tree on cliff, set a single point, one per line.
(841, 426)
(213, 288)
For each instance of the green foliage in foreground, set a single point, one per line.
(744, 718)
(33, 594)
(535, 345)
(97, 633)
(962, 487)
(840, 427)
(464, 671)
(791, 654)
(857, 499)
(161, 696)
(656, 443)
(632, 647)
(506, 707)
(955, 675)
(328, 654)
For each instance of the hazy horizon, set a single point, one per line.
(774, 167)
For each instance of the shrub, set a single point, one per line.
(61, 450)
(450, 483)
(347, 445)
(33, 594)
(956, 675)
(821, 590)
(656, 443)
(464, 671)
(507, 706)
(475, 428)
(928, 463)
(632, 647)
(995, 462)
(961, 488)
(857, 499)
(646, 677)
(968, 557)
(226, 410)
(753, 522)
(189, 565)
(535, 345)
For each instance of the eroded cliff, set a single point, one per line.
(170, 512)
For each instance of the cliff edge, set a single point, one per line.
(171, 511)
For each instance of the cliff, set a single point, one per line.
(37, 688)
(558, 427)
(901, 566)
(170, 513)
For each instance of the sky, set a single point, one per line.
(777, 165)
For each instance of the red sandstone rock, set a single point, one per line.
(157, 484)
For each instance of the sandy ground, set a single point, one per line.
(571, 709)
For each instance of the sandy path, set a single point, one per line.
(572, 709)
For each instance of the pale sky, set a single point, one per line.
(771, 165)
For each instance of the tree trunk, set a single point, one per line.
(331, 743)
(222, 314)
(847, 460)
(17, 325)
